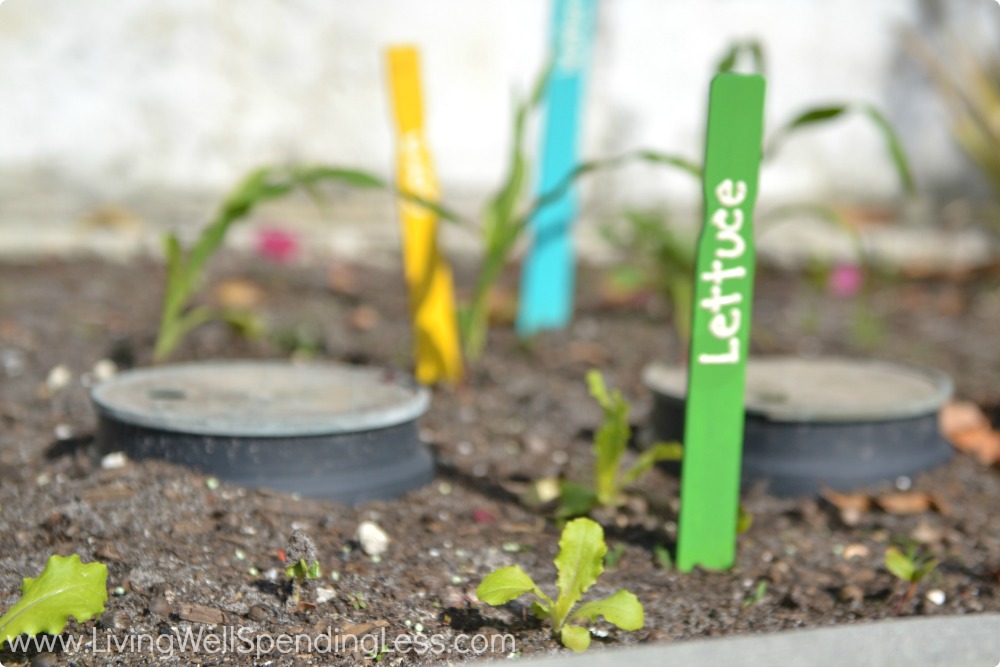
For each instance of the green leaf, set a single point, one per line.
(661, 451)
(575, 637)
(65, 588)
(610, 441)
(900, 564)
(303, 570)
(751, 48)
(662, 556)
(575, 500)
(744, 519)
(580, 562)
(622, 609)
(506, 584)
(825, 114)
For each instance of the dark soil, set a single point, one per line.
(185, 552)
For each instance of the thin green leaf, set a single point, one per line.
(894, 146)
(506, 584)
(65, 588)
(661, 451)
(579, 563)
(575, 500)
(899, 564)
(731, 58)
(622, 609)
(610, 441)
(574, 637)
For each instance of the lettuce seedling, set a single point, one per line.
(579, 563)
(66, 587)
(911, 567)
(301, 552)
(610, 443)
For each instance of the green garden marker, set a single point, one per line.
(720, 331)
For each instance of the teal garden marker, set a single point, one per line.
(720, 332)
(546, 296)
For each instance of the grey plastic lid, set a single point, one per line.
(260, 399)
(832, 389)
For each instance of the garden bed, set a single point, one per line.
(183, 551)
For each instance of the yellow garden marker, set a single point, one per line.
(428, 276)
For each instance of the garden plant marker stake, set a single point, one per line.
(546, 299)
(428, 276)
(720, 331)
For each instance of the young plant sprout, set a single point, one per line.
(579, 563)
(301, 553)
(610, 443)
(912, 567)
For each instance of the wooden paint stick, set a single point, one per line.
(720, 332)
(428, 276)
(548, 272)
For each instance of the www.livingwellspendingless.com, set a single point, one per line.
(241, 640)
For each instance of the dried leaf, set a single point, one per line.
(909, 502)
(237, 294)
(982, 443)
(959, 416)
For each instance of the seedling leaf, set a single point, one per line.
(580, 562)
(899, 564)
(65, 588)
(621, 609)
(575, 637)
(661, 451)
(506, 584)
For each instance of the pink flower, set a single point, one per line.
(277, 245)
(845, 280)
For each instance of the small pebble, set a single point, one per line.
(374, 541)
(160, 607)
(325, 595)
(119, 591)
(212, 483)
(258, 613)
(444, 488)
(456, 580)
(12, 362)
(465, 448)
(903, 483)
(240, 554)
(44, 660)
(253, 572)
(335, 576)
(271, 574)
(104, 370)
(936, 596)
(62, 432)
(418, 627)
(58, 378)
(114, 461)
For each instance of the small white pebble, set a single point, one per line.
(419, 627)
(240, 554)
(903, 483)
(456, 580)
(271, 574)
(374, 541)
(62, 432)
(58, 378)
(335, 576)
(444, 488)
(114, 461)
(325, 595)
(559, 457)
(212, 483)
(936, 596)
(465, 448)
(43, 479)
(434, 553)
(252, 571)
(104, 370)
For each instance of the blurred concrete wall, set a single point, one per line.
(164, 104)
